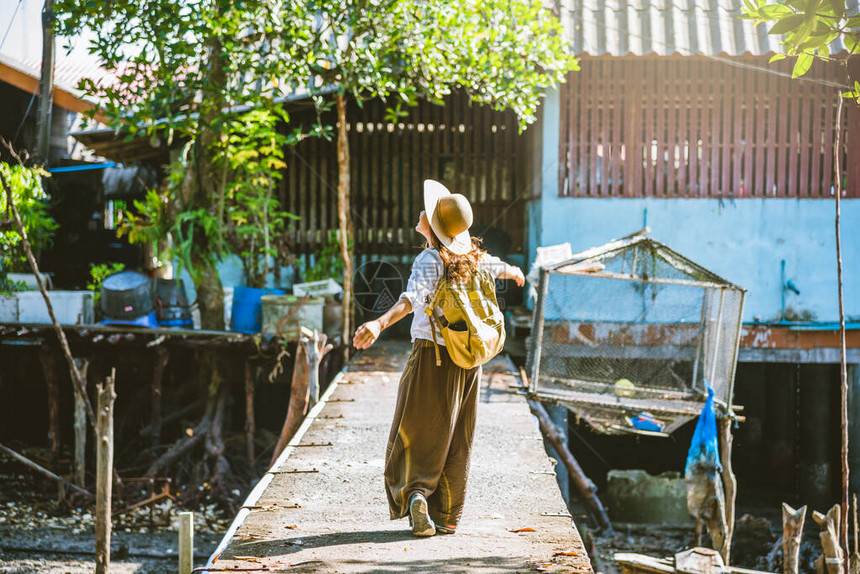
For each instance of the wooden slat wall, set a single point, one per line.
(471, 149)
(695, 127)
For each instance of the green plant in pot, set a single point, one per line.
(253, 162)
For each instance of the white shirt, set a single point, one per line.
(426, 271)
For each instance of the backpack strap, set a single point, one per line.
(430, 310)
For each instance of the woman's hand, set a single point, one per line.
(516, 274)
(366, 334)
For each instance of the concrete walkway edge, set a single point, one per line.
(261, 486)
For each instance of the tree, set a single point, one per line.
(810, 26)
(501, 53)
(180, 68)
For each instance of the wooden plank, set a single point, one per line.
(634, 151)
(816, 133)
(827, 176)
(805, 142)
(606, 118)
(795, 100)
(684, 140)
(661, 98)
(579, 183)
(724, 186)
(596, 108)
(782, 140)
(694, 129)
(649, 109)
(740, 138)
(572, 149)
(619, 101)
(757, 163)
(706, 159)
(852, 131)
(384, 208)
(674, 106)
(772, 120)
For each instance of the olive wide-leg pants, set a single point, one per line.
(431, 436)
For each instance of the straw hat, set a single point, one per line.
(450, 216)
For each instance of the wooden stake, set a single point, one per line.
(299, 398)
(104, 473)
(832, 561)
(186, 542)
(315, 350)
(81, 429)
(587, 490)
(344, 219)
(250, 424)
(792, 531)
(161, 358)
(53, 394)
(730, 484)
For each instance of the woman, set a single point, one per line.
(427, 459)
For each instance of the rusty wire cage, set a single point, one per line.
(628, 336)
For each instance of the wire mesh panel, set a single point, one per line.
(628, 336)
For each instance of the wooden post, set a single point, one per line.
(315, 350)
(80, 466)
(161, 357)
(104, 473)
(831, 562)
(730, 483)
(792, 531)
(250, 424)
(186, 542)
(299, 397)
(584, 485)
(53, 392)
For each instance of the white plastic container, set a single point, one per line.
(70, 307)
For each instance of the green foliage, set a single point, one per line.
(254, 152)
(504, 53)
(327, 262)
(31, 202)
(98, 273)
(809, 26)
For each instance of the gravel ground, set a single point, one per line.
(38, 536)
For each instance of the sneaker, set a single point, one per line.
(422, 524)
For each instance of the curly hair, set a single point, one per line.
(458, 268)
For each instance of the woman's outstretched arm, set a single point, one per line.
(368, 333)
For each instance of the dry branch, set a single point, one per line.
(42, 470)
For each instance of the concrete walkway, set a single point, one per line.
(322, 508)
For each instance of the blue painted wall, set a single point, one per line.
(743, 241)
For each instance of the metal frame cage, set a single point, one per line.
(630, 334)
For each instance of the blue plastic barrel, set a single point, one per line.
(248, 308)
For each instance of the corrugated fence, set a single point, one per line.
(472, 149)
(699, 127)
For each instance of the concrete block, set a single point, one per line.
(638, 497)
(8, 309)
(70, 307)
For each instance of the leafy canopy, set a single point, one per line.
(809, 26)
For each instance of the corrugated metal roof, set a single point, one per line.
(21, 47)
(666, 27)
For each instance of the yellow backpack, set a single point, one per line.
(472, 325)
